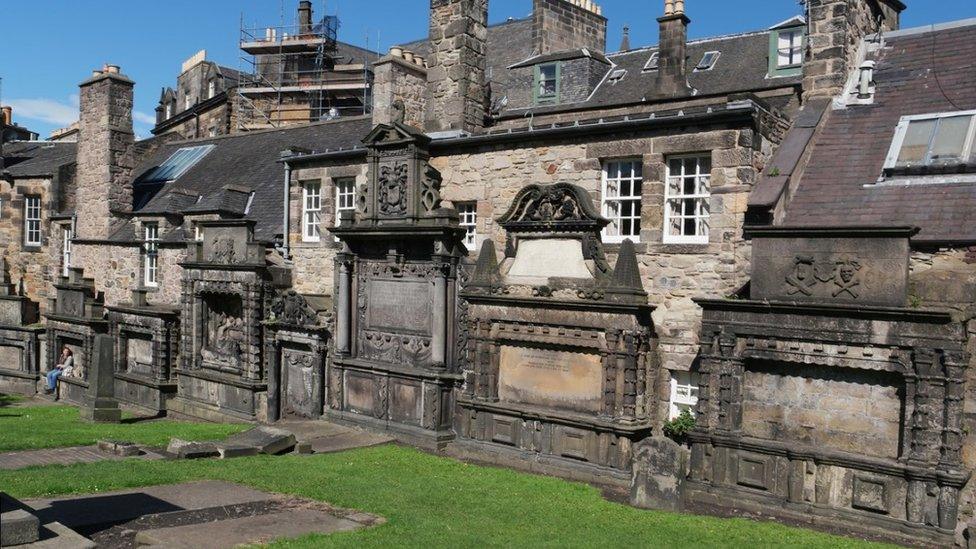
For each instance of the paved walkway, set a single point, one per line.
(57, 456)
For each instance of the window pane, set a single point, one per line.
(675, 167)
(950, 138)
(916, 144)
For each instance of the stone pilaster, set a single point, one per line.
(456, 78)
(105, 152)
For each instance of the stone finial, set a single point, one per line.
(486, 269)
(626, 274)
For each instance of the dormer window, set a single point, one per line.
(169, 111)
(547, 84)
(652, 62)
(708, 61)
(187, 101)
(940, 141)
(789, 48)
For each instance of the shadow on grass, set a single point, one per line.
(9, 400)
(140, 419)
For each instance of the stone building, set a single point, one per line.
(681, 227)
(11, 131)
(287, 75)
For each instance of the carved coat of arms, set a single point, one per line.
(392, 188)
(808, 273)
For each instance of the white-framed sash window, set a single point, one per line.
(311, 211)
(686, 201)
(623, 182)
(684, 393)
(32, 221)
(468, 212)
(66, 235)
(151, 254)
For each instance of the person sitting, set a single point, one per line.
(64, 367)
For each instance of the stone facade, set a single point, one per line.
(456, 78)
(30, 267)
(397, 80)
(561, 25)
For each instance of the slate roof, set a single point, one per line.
(918, 72)
(37, 158)
(246, 160)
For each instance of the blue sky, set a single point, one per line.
(49, 46)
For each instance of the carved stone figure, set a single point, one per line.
(222, 250)
(292, 308)
(225, 341)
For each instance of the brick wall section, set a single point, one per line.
(29, 266)
(836, 30)
(558, 25)
(395, 79)
(105, 153)
(456, 78)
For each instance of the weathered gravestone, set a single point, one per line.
(660, 465)
(100, 404)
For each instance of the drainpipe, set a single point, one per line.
(286, 218)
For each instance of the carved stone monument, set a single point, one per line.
(824, 397)
(395, 363)
(146, 348)
(227, 283)
(100, 405)
(560, 344)
(76, 316)
(296, 340)
(19, 339)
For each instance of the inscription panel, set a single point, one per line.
(556, 379)
(399, 306)
(11, 357)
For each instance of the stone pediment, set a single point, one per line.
(561, 207)
(394, 134)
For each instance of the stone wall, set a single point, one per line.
(558, 25)
(29, 266)
(836, 30)
(396, 79)
(673, 274)
(456, 78)
(312, 267)
(211, 122)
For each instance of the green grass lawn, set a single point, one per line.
(431, 501)
(32, 427)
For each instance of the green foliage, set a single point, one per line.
(33, 427)
(678, 428)
(774, 171)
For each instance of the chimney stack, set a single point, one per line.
(305, 17)
(672, 74)
(836, 30)
(8, 116)
(565, 25)
(457, 99)
(105, 151)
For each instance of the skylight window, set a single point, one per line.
(617, 75)
(708, 61)
(942, 139)
(176, 165)
(651, 64)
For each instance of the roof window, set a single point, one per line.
(651, 64)
(708, 61)
(617, 75)
(941, 141)
(176, 165)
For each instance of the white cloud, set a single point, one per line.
(143, 118)
(51, 111)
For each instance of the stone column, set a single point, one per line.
(100, 404)
(438, 339)
(343, 319)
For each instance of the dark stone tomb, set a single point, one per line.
(19, 339)
(560, 345)
(146, 348)
(77, 316)
(227, 284)
(395, 363)
(297, 339)
(825, 399)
